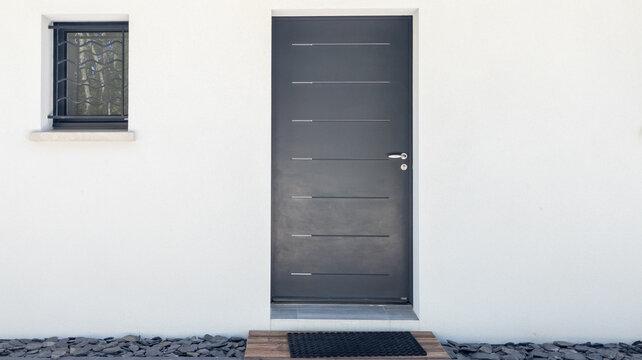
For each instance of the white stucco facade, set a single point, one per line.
(528, 172)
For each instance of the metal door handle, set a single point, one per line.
(402, 156)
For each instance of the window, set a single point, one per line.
(90, 75)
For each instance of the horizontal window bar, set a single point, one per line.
(98, 43)
(92, 61)
(96, 26)
(96, 85)
(88, 117)
(97, 125)
(91, 100)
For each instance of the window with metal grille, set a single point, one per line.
(90, 75)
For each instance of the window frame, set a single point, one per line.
(59, 116)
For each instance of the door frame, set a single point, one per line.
(413, 297)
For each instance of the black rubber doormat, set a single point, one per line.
(353, 344)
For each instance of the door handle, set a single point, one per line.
(402, 156)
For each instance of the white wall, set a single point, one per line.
(529, 173)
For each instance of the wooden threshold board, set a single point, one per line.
(273, 345)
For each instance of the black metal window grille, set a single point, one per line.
(90, 66)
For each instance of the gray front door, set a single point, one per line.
(341, 158)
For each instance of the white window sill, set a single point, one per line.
(82, 135)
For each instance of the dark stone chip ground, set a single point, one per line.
(558, 350)
(127, 346)
(234, 347)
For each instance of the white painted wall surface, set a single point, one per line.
(528, 183)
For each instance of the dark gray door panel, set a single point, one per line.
(364, 63)
(345, 102)
(339, 216)
(336, 140)
(357, 178)
(341, 103)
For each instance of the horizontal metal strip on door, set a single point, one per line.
(338, 197)
(334, 274)
(342, 235)
(347, 158)
(343, 44)
(338, 120)
(340, 82)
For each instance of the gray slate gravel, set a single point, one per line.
(558, 350)
(221, 348)
(55, 348)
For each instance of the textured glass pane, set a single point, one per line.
(97, 73)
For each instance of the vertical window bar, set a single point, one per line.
(55, 71)
(63, 68)
(60, 71)
(122, 80)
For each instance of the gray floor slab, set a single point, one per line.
(343, 312)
